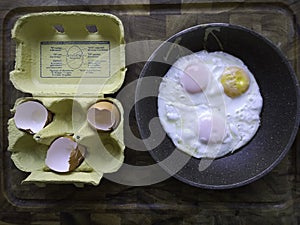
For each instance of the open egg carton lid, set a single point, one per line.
(69, 54)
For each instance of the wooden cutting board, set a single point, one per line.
(273, 199)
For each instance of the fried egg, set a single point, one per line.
(209, 104)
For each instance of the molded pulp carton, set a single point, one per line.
(68, 61)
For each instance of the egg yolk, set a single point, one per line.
(211, 129)
(195, 77)
(235, 81)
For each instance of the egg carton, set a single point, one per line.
(68, 61)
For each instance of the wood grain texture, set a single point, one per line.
(274, 199)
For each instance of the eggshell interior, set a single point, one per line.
(59, 153)
(103, 116)
(31, 116)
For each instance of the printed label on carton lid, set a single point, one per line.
(74, 59)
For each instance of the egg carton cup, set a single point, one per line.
(67, 93)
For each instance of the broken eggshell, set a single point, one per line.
(104, 116)
(65, 155)
(31, 116)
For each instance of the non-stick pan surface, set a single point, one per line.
(279, 117)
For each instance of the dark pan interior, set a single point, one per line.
(279, 117)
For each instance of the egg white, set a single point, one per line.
(180, 111)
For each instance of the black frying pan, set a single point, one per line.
(279, 117)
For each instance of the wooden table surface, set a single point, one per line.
(273, 199)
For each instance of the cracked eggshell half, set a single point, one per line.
(31, 116)
(104, 116)
(65, 155)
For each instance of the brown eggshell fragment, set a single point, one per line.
(64, 155)
(104, 116)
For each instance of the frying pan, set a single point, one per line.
(279, 117)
